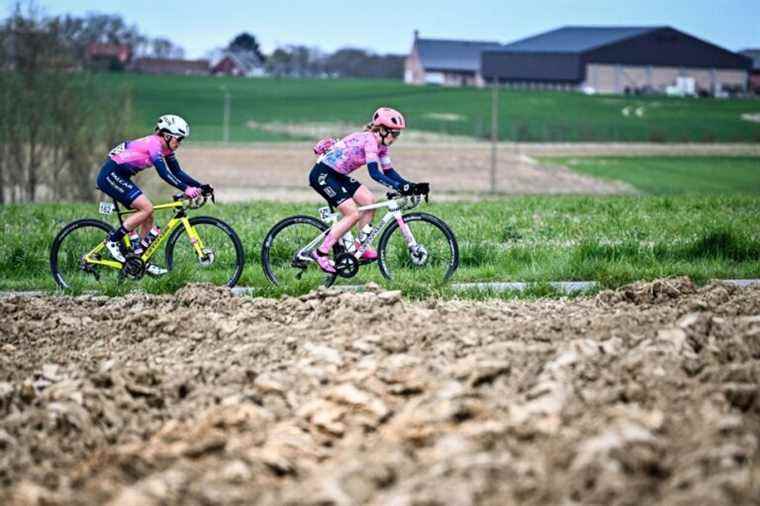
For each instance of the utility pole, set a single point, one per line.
(494, 134)
(226, 120)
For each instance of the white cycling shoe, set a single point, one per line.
(114, 248)
(155, 270)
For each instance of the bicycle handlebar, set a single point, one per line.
(206, 192)
(395, 195)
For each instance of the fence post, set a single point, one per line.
(226, 120)
(494, 134)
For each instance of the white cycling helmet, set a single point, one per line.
(173, 125)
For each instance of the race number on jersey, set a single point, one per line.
(118, 149)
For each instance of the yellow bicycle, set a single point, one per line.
(79, 258)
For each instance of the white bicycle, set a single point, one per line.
(417, 245)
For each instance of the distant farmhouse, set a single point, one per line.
(108, 56)
(170, 66)
(239, 63)
(754, 79)
(599, 59)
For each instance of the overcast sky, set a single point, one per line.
(387, 26)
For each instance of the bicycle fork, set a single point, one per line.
(196, 241)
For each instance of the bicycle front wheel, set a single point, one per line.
(221, 261)
(433, 255)
(284, 254)
(78, 258)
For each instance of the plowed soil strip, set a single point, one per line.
(643, 395)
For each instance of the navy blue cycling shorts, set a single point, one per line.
(334, 187)
(114, 180)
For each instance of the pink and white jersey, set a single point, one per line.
(140, 153)
(355, 150)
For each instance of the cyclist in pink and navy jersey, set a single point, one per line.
(330, 179)
(131, 157)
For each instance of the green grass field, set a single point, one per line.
(524, 115)
(674, 175)
(612, 240)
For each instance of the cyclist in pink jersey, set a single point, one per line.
(329, 177)
(131, 157)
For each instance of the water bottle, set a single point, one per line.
(364, 233)
(348, 242)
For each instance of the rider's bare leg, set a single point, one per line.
(143, 215)
(146, 226)
(364, 197)
(351, 215)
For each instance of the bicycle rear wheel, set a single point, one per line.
(70, 269)
(434, 258)
(223, 255)
(283, 261)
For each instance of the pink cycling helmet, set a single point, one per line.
(389, 118)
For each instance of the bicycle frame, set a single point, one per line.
(179, 219)
(395, 208)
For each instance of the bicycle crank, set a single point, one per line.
(134, 267)
(346, 265)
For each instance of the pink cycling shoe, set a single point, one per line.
(323, 261)
(369, 254)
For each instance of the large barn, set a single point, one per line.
(615, 60)
(445, 62)
(754, 79)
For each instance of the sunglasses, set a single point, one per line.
(394, 133)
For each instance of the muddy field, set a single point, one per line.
(646, 395)
(280, 171)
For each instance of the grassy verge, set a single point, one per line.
(674, 175)
(611, 240)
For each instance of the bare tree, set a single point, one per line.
(164, 48)
(52, 118)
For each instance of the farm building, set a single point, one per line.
(108, 56)
(447, 62)
(754, 78)
(238, 63)
(616, 60)
(170, 66)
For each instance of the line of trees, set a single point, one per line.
(303, 61)
(55, 124)
(79, 32)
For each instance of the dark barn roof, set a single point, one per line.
(452, 55)
(576, 39)
(561, 55)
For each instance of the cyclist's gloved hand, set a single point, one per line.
(422, 188)
(407, 189)
(192, 191)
